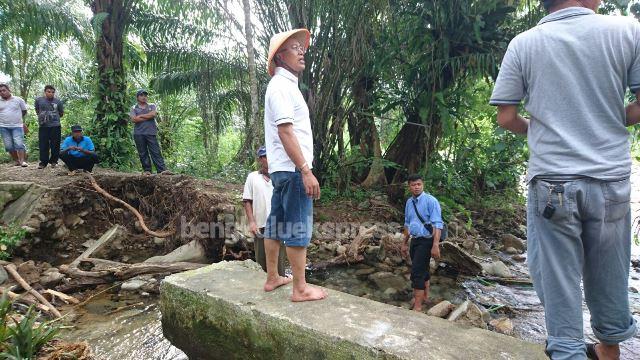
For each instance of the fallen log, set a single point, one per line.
(459, 259)
(11, 269)
(111, 271)
(135, 212)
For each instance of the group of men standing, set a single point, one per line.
(77, 150)
(572, 71)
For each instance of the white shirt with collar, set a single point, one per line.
(284, 104)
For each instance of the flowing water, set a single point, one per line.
(136, 333)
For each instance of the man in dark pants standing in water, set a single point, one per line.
(423, 224)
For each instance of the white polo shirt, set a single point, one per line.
(259, 190)
(11, 112)
(284, 104)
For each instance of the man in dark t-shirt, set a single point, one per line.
(145, 133)
(49, 109)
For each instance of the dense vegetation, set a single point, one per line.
(402, 89)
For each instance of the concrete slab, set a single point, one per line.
(221, 312)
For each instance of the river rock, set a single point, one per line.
(385, 280)
(365, 271)
(502, 325)
(473, 317)
(459, 311)
(509, 240)
(60, 233)
(341, 250)
(519, 258)
(633, 290)
(51, 278)
(441, 309)
(29, 272)
(3, 275)
(132, 285)
(72, 220)
(511, 251)
(469, 245)
(191, 252)
(158, 240)
(498, 269)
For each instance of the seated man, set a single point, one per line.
(78, 152)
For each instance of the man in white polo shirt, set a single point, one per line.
(256, 199)
(12, 111)
(289, 143)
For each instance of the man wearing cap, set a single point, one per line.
(257, 205)
(12, 112)
(145, 133)
(49, 109)
(289, 143)
(572, 70)
(78, 152)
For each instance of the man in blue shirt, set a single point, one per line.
(78, 152)
(423, 224)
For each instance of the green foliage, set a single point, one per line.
(22, 339)
(10, 236)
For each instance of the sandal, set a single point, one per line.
(591, 351)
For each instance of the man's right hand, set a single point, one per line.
(311, 185)
(253, 228)
(404, 250)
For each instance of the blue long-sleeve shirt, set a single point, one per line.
(429, 208)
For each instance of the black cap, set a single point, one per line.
(75, 128)
(141, 91)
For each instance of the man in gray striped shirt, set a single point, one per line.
(572, 71)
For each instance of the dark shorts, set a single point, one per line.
(291, 217)
(420, 252)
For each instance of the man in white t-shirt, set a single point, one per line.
(289, 142)
(257, 205)
(12, 111)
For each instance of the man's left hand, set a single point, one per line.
(435, 251)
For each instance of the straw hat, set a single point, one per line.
(277, 40)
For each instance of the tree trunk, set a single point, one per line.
(257, 127)
(110, 127)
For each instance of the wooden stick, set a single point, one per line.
(96, 294)
(121, 308)
(64, 297)
(104, 239)
(131, 208)
(11, 268)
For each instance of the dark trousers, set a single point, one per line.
(85, 163)
(420, 252)
(49, 141)
(261, 256)
(149, 145)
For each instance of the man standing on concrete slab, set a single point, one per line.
(423, 224)
(49, 109)
(12, 112)
(572, 71)
(145, 133)
(256, 198)
(289, 143)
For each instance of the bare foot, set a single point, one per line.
(310, 293)
(271, 285)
